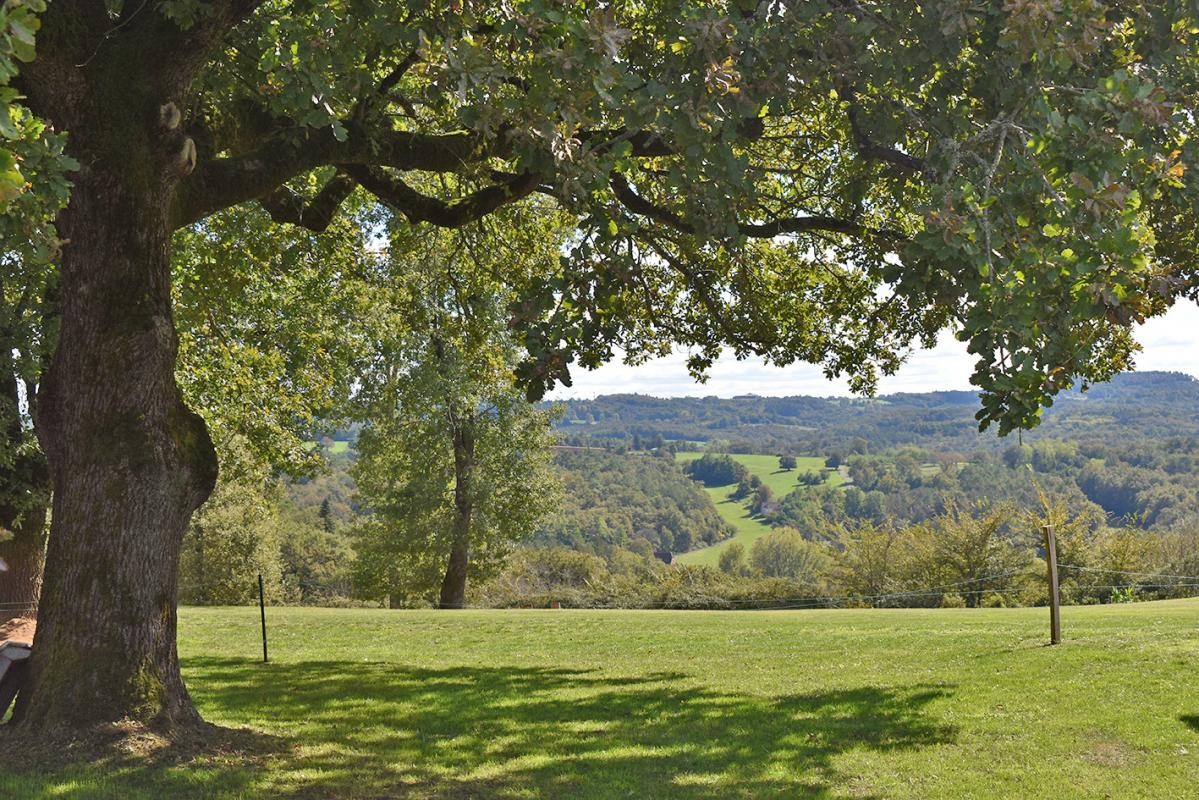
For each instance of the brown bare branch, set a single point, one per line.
(871, 150)
(418, 207)
(224, 182)
(629, 198)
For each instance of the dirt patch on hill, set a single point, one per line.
(18, 628)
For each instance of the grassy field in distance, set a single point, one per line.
(692, 705)
(336, 446)
(736, 513)
(767, 469)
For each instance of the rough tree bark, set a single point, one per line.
(453, 586)
(128, 461)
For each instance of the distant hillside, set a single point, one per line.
(1151, 405)
(634, 500)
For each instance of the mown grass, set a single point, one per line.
(616, 704)
(748, 529)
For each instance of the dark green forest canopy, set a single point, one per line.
(1131, 408)
(817, 181)
(1125, 452)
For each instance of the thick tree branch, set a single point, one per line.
(764, 230)
(284, 205)
(651, 144)
(226, 182)
(639, 205)
(418, 207)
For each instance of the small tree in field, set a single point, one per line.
(811, 478)
(763, 502)
(787, 463)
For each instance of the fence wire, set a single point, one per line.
(833, 601)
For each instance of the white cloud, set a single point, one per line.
(1170, 343)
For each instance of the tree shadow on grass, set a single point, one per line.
(1191, 721)
(127, 760)
(359, 730)
(385, 730)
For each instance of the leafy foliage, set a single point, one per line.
(235, 537)
(785, 554)
(713, 469)
(452, 457)
(614, 500)
(274, 325)
(822, 181)
(18, 27)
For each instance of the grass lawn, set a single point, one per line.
(644, 704)
(736, 513)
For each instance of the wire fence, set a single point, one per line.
(1103, 570)
(962, 588)
(1157, 582)
(14, 607)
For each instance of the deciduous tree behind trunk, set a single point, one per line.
(25, 481)
(453, 587)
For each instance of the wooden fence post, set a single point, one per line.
(1055, 599)
(262, 611)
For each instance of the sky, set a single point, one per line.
(1171, 342)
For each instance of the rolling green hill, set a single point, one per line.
(767, 469)
(734, 512)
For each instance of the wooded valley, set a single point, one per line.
(863, 518)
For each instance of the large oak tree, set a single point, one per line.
(826, 181)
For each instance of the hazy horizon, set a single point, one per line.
(1168, 342)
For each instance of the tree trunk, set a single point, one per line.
(25, 555)
(453, 586)
(129, 462)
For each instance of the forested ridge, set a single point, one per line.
(1145, 405)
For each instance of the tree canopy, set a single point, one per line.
(821, 181)
(453, 461)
